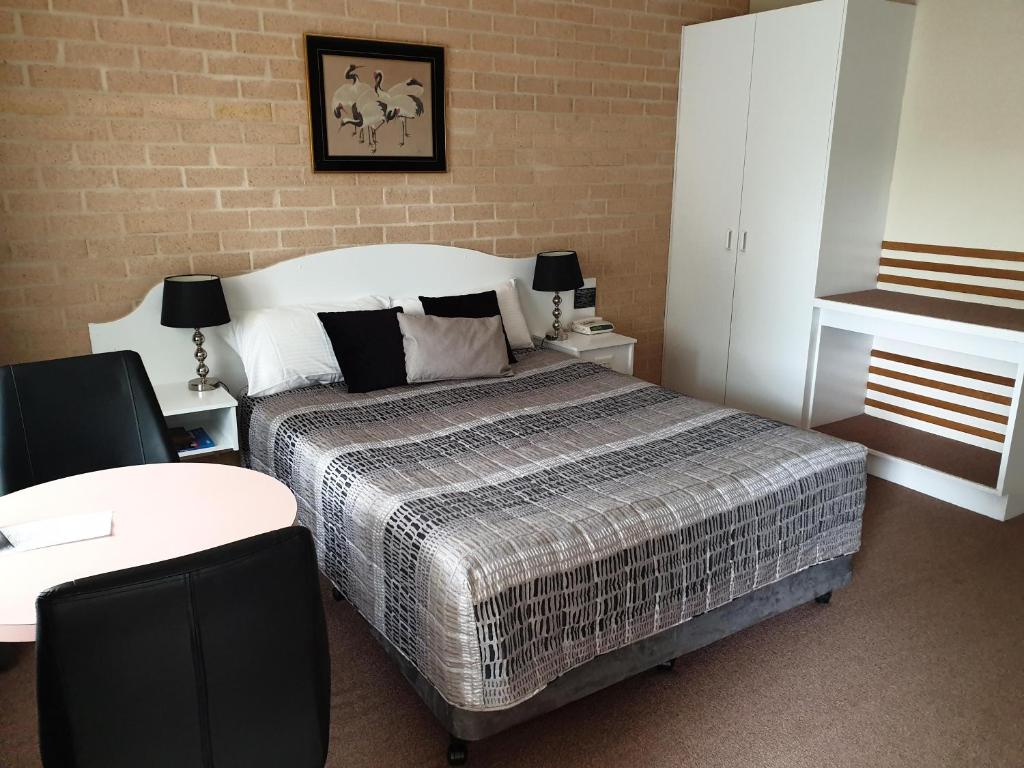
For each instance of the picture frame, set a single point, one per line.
(375, 105)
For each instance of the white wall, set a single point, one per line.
(959, 173)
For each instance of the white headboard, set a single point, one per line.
(331, 276)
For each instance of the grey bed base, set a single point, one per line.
(815, 582)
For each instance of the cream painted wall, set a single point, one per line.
(959, 173)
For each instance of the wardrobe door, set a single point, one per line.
(714, 87)
(788, 137)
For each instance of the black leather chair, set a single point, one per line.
(78, 414)
(214, 659)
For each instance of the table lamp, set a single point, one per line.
(197, 302)
(557, 271)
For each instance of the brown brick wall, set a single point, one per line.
(140, 138)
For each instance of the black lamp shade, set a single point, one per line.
(193, 301)
(557, 271)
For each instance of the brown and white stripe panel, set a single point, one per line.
(949, 272)
(965, 399)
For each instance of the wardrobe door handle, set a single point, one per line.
(743, 245)
(728, 241)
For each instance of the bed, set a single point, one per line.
(500, 534)
(518, 543)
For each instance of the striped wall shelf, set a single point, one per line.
(926, 370)
(994, 278)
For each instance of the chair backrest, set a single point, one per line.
(213, 659)
(78, 414)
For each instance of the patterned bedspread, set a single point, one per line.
(500, 532)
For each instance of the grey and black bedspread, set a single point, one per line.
(500, 532)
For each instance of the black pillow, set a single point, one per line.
(368, 345)
(484, 304)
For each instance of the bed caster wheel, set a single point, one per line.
(667, 666)
(458, 752)
(823, 599)
(337, 594)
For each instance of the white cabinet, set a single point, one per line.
(706, 204)
(785, 139)
(214, 410)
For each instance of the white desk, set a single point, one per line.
(161, 511)
(843, 339)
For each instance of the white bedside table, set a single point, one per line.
(215, 411)
(612, 350)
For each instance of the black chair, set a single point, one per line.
(214, 659)
(78, 414)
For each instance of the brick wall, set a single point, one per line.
(141, 138)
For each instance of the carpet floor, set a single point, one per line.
(919, 662)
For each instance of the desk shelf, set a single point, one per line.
(952, 457)
(981, 315)
(945, 422)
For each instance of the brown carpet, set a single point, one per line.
(919, 662)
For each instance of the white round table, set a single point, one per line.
(160, 511)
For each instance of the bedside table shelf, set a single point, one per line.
(612, 350)
(215, 411)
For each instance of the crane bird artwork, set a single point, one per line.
(375, 105)
(403, 101)
(367, 108)
(348, 95)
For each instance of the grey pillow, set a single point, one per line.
(439, 348)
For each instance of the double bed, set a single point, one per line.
(517, 543)
(498, 534)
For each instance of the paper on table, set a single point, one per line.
(58, 530)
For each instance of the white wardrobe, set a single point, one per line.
(785, 140)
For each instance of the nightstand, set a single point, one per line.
(612, 350)
(215, 411)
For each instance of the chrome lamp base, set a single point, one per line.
(204, 383)
(557, 333)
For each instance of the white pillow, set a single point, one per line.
(516, 329)
(284, 348)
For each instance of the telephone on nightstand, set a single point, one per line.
(592, 325)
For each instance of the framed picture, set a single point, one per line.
(375, 106)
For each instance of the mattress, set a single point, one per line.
(500, 532)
